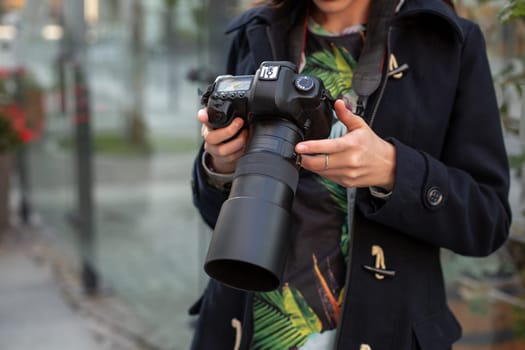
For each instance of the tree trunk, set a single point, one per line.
(5, 173)
(136, 125)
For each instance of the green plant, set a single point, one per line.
(9, 138)
(510, 80)
(21, 102)
(514, 9)
(170, 3)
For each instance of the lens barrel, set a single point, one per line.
(251, 238)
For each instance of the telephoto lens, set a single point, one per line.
(251, 238)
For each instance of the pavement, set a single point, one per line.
(149, 244)
(149, 252)
(42, 304)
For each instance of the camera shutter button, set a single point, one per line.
(304, 83)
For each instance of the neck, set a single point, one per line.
(336, 20)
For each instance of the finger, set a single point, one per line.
(349, 119)
(202, 115)
(319, 162)
(343, 176)
(204, 131)
(227, 148)
(229, 159)
(314, 147)
(218, 136)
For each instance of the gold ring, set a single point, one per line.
(326, 161)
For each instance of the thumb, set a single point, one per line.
(349, 119)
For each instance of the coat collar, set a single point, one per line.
(272, 30)
(265, 15)
(434, 8)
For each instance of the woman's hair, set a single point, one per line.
(280, 3)
(273, 3)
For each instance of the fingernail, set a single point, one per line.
(300, 148)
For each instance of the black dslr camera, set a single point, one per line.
(251, 237)
(276, 90)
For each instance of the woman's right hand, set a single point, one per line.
(223, 155)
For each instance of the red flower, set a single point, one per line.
(18, 117)
(24, 113)
(26, 135)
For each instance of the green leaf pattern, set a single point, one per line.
(339, 83)
(321, 64)
(283, 320)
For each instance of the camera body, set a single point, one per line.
(251, 238)
(276, 90)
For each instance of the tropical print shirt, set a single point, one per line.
(303, 314)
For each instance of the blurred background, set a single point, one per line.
(98, 132)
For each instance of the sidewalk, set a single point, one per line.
(39, 307)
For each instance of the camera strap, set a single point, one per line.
(368, 72)
(366, 79)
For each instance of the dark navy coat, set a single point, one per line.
(451, 180)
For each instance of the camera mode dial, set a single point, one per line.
(304, 83)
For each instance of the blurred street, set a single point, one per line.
(148, 267)
(150, 261)
(147, 245)
(41, 303)
(32, 305)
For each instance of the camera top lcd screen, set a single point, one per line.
(234, 84)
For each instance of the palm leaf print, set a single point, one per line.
(301, 315)
(345, 240)
(337, 192)
(328, 299)
(337, 80)
(282, 321)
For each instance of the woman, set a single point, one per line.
(424, 168)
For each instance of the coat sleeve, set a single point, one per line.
(206, 198)
(459, 201)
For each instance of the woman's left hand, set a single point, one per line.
(358, 159)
